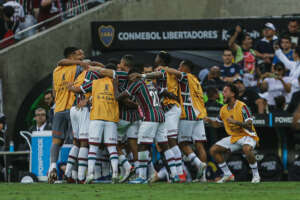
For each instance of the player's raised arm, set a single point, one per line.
(70, 62)
(177, 73)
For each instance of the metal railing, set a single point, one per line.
(39, 27)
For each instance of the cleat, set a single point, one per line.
(182, 178)
(175, 179)
(201, 170)
(154, 178)
(89, 179)
(226, 178)
(70, 180)
(138, 181)
(52, 177)
(115, 180)
(80, 182)
(127, 175)
(255, 179)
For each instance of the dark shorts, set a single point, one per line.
(61, 127)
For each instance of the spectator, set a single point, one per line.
(286, 45)
(49, 100)
(295, 97)
(2, 123)
(250, 97)
(293, 32)
(48, 9)
(212, 106)
(40, 119)
(75, 7)
(280, 105)
(264, 47)
(230, 71)
(275, 84)
(203, 73)
(7, 26)
(19, 15)
(245, 55)
(213, 79)
(293, 66)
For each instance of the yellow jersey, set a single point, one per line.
(240, 113)
(62, 76)
(104, 105)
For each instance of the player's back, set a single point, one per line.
(62, 76)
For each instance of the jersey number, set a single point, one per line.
(155, 98)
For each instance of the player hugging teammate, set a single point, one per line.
(120, 111)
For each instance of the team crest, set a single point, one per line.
(106, 34)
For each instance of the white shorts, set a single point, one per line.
(149, 131)
(172, 121)
(191, 131)
(102, 131)
(80, 120)
(225, 142)
(127, 130)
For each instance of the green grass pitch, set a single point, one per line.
(157, 191)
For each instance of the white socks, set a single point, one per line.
(92, 159)
(114, 159)
(225, 169)
(254, 169)
(169, 155)
(178, 159)
(195, 160)
(124, 162)
(82, 162)
(143, 163)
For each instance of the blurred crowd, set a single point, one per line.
(17, 15)
(266, 71)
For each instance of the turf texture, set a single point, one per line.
(157, 191)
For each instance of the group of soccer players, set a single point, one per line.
(118, 111)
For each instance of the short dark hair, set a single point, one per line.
(69, 50)
(165, 57)
(129, 60)
(189, 64)
(294, 20)
(114, 61)
(286, 37)
(111, 66)
(279, 101)
(244, 35)
(233, 89)
(49, 91)
(211, 91)
(279, 65)
(228, 50)
(297, 50)
(8, 11)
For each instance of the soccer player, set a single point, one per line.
(191, 125)
(152, 126)
(104, 116)
(79, 115)
(62, 129)
(237, 120)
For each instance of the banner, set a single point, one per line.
(175, 34)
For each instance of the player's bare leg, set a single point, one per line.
(217, 152)
(248, 151)
(54, 153)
